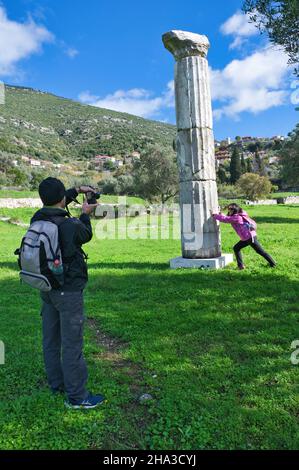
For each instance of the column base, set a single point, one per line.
(205, 263)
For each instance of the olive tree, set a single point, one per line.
(280, 20)
(156, 174)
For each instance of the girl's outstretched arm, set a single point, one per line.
(227, 219)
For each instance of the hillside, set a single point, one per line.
(52, 128)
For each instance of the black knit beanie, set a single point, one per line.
(51, 191)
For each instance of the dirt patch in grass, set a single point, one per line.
(112, 351)
(110, 343)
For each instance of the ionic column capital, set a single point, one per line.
(184, 44)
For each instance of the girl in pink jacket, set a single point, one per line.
(246, 229)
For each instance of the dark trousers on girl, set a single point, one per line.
(255, 244)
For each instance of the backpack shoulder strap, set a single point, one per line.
(249, 221)
(57, 220)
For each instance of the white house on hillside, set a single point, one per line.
(34, 162)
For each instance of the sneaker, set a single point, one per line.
(241, 267)
(91, 401)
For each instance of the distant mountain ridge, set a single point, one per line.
(45, 126)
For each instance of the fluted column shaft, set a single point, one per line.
(200, 233)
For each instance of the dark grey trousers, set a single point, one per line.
(255, 244)
(63, 320)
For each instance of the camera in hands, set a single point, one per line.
(92, 197)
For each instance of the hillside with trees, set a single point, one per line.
(48, 127)
(42, 134)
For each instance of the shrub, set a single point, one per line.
(254, 186)
(110, 185)
(229, 191)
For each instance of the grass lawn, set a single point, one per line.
(283, 194)
(7, 193)
(212, 348)
(34, 194)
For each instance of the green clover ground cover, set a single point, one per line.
(212, 348)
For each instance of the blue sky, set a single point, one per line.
(110, 54)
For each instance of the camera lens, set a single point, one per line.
(92, 197)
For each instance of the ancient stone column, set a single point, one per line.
(200, 233)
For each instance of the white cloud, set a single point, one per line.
(87, 97)
(238, 25)
(71, 52)
(252, 84)
(18, 41)
(137, 101)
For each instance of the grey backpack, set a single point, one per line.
(40, 258)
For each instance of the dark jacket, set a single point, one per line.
(73, 233)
